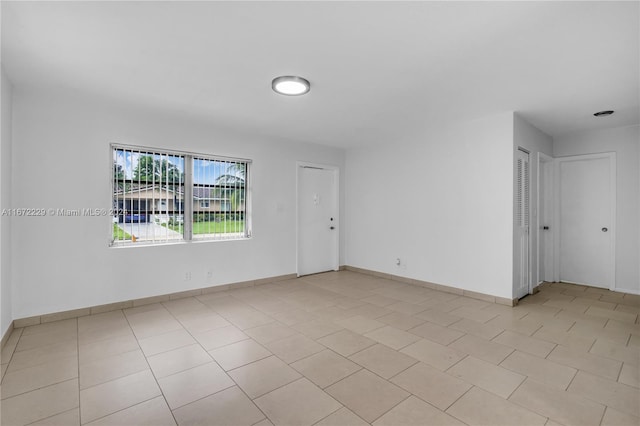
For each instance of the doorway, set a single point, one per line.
(586, 219)
(317, 219)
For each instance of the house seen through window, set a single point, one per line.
(161, 197)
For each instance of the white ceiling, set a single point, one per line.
(381, 72)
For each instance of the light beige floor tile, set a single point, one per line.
(438, 317)
(296, 316)
(430, 384)
(588, 362)
(497, 380)
(10, 345)
(177, 360)
(613, 417)
(263, 376)
(325, 368)
(293, 348)
(238, 354)
(558, 405)
(379, 300)
(100, 349)
(317, 328)
(190, 385)
(298, 403)
(67, 418)
(248, 318)
(166, 342)
(360, 324)
(265, 422)
(220, 337)
(106, 332)
(476, 314)
(392, 337)
(481, 348)
(413, 411)
(478, 407)
(37, 340)
(607, 392)
(436, 333)
(630, 375)
(401, 321)
(153, 412)
(524, 325)
(369, 311)
(382, 360)
(106, 369)
(346, 342)
(39, 376)
(567, 339)
(434, 354)
(608, 313)
(367, 395)
(155, 327)
(183, 306)
(539, 369)
(269, 332)
(342, 417)
(627, 354)
(477, 328)
(43, 354)
(228, 407)
(109, 397)
(524, 343)
(40, 404)
(69, 325)
(406, 308)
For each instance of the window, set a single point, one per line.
(167, 196)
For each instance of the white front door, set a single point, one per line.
(587, 213)
(521, 228)
(317, 219)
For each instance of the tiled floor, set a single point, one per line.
(334, 349)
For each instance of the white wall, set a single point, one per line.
(625, 142)
(442, 204)
(535, 141)
(61, 159)
(6, 315)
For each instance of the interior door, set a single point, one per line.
(587, 212)
(521, 228)
(545, 218)
(317, 219)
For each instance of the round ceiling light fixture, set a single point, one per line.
(290, 85)
(603, 113)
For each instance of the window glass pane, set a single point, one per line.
(219, 194)
(148, 196)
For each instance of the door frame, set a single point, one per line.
(546, 183)
(611, 156)
(336, 190)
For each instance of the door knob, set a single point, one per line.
(605, 229)
(332, 227)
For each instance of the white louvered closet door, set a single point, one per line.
(521, 217)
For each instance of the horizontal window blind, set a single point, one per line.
(166, 196)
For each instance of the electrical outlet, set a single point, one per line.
(187, 276)
(209, 275)
(398, 262)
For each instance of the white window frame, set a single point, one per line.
(188, 208)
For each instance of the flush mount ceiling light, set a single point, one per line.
(290, 85)
(603, 113)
